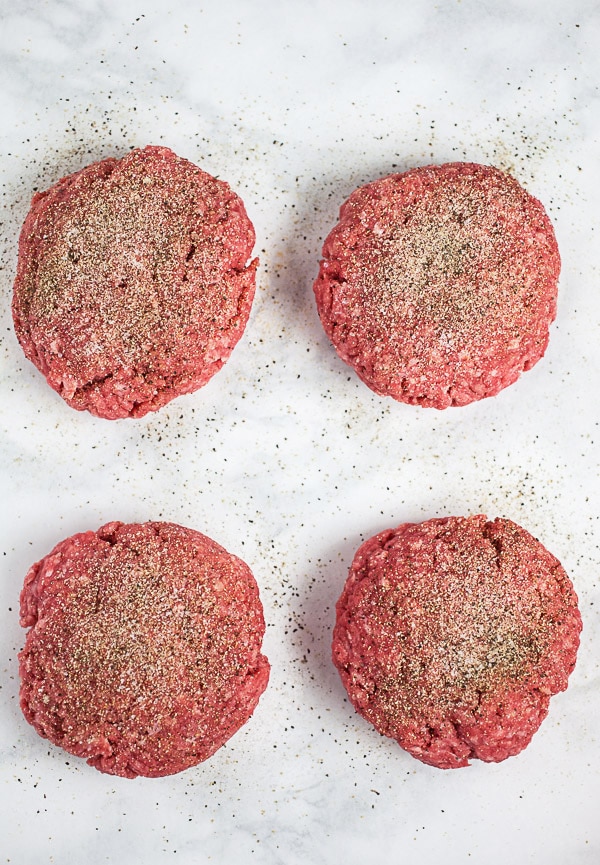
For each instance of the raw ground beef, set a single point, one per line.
(439, 285)
(133, 284)
(143, 653)
(452, 635)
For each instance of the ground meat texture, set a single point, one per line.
(133, 284)
(143, 654)
(452, 635)
(439, 285)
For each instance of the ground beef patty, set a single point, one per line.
(144, 649)
(133, 284)
(438, 285)
(452, 635)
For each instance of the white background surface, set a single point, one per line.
(285, 457)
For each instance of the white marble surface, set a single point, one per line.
(285, 457)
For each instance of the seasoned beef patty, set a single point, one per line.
(439, 285)
(452, 635)
(133, 284)
(143, 653)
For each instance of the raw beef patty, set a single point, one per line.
(439, 285)
(143, 653)
(452, 635)
(133, 284)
